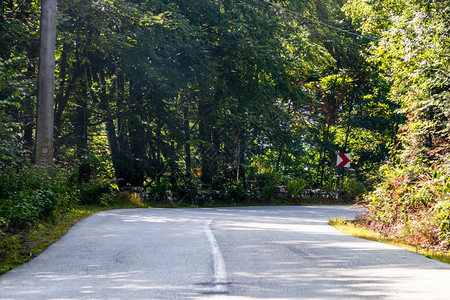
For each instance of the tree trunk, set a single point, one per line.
(81, 131)
(138, 147)
(323, 159)
(65, 91)
(187, 139)
(28, 124)
(113, 142)
(206, 111)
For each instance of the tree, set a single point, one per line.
(411, 51)
(214, 95)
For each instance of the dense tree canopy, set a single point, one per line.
(411, 49)
(220, 92)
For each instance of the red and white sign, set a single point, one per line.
(343, 160)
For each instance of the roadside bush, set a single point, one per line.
(16, 208)
(18, 212)
(414, 204)
(29, 195)
(44, 202)
(266, 183)
(238, 192)
(354, 188)
(443, 221)
(22, 210)
(160, 189)
(296, 186)
(95, 192)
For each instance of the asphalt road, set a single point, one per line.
(229, 253)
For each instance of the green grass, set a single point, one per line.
(356, 230)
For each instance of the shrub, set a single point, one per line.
(29, 195)
(443, 220)
(44, 202)
(92, 192)
(22, 210)
(237, 192)
(266, 183)
(296, 186)
(268, 191)
(353, 187)
(161, 188)
(18, 212)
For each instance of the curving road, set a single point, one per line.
(229, 253)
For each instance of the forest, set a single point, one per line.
(226, 102)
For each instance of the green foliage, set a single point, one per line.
(411, 50)
(159, 189)
(296, 186)
(12, 90)
(195, 99)
(238, 193)
(95, 192)
(29, 196)
(443, 221)
(355, 188)
(21, 210)
(266, 183)
(268, 191)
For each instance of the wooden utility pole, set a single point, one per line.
(45, 115)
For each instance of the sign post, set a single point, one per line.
(44, 128)
(343, 160)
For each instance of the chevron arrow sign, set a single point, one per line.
(343, 160)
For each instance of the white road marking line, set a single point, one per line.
(220, 272)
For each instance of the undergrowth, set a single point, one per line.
(36, 210)
(356, 229)
(413, 203)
